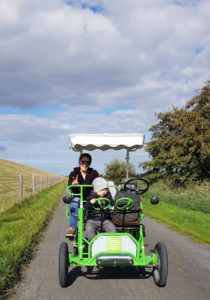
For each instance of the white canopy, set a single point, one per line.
(106, 141)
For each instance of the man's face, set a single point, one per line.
(84, 164)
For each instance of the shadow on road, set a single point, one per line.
(108, 273)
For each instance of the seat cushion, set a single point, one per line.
(119, 222)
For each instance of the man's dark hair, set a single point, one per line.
(85, 155)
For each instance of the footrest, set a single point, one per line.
(71, 237)
(114, 260)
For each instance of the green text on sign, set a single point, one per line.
(114, 243)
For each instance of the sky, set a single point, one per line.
(98, 66)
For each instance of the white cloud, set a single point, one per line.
(25, 129)
(111, 65)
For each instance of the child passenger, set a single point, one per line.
(100, 189)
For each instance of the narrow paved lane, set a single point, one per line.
(189, 271)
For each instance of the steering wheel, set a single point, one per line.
(139, 191)
(101, 201)
(124, 203)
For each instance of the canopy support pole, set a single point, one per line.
(127, 164)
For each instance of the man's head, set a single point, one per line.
(85, 161)
(100, 186)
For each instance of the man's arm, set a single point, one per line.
(71, 178)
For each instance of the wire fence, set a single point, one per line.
(17, 188)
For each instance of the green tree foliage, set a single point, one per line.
(116, 171)
(180, 144)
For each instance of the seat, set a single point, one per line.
(112, 188)
(131, 223)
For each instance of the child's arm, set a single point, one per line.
(90, 200)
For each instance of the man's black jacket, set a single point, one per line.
(90, 176)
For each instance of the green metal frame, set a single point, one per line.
(84, 257)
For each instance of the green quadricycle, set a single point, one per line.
(121, 249)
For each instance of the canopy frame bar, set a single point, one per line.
(127, 164)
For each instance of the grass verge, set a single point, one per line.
(20, 230)
(194, 197)
(193, 223)
(186, 210)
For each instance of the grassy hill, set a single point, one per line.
(8, 168)
(9, 182)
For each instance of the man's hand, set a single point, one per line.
(75, 180)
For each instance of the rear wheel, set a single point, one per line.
(160, 271)
(63, 264)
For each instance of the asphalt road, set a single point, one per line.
(188, 278)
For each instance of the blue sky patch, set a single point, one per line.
(96, 9)
(39, 111)
(198, 50)
(109, 110)
(2, 148)
(184, 2)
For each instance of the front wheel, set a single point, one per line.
(63, 264)
(160, 271)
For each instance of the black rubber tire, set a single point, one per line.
(160, 272)
(63, 264)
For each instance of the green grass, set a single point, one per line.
(195, 196)
(185, 210)
(20, 229)
(9, 182)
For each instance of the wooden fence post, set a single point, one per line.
(33, 185)
(41, 183)
(20, 188)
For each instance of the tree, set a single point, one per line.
(116, 171)
(180, 144)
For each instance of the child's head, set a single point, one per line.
(100, 186)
